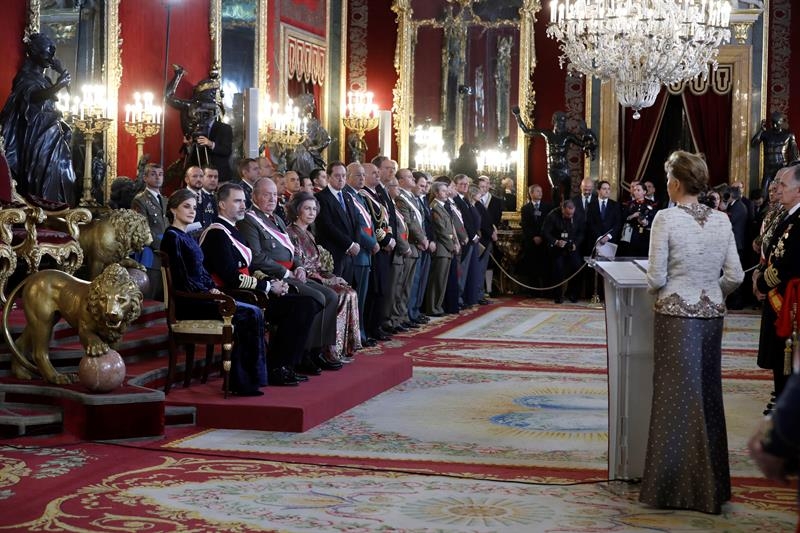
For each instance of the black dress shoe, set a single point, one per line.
(307, 367)
(436, 315)
(382, 337)
(323, 363)
(299, 377)
(400, 329)
(559, 300)
(369, 343)
(410, 325)
(483, 301)
(282, 377)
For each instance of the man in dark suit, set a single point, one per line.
(213, 145)
(422, 275)
(227, 256)
(533, 260)
(739, 215)
(337, 226)
(248, 175)
(152, 204)
(494, 213)
(273, 254)
(369, 245)
(564, 235)
(603, 219)
(471, 225)
(583, 200)
(771, 279)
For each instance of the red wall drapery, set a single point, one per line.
(144, 34)
(709, 118)
(639, 136)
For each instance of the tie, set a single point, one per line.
(160, 201)
(448, 208)
(603, 210)
(341, 201)
(585, 202)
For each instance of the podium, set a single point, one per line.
(629, 331)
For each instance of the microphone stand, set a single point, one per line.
(595, 300)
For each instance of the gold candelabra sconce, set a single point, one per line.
(142, 120)
(89, 114)
(282, 128)
(361, 116)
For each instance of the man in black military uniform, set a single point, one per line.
(770, 280)
(533, 260)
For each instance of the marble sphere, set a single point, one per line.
(103, 373)
(140, 279)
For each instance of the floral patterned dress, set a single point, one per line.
(312, 259)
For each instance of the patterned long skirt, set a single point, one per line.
(686, 466)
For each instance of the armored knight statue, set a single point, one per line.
(207, 140)
(37, 140)
(780, 148)
(558, 141)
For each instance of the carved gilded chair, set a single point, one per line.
(49, 229)
(8, 256)
(53, 234)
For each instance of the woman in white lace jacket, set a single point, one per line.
(690, 244)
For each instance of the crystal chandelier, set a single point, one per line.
(640, 44)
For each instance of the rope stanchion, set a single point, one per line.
(550, 288)
(512, 278)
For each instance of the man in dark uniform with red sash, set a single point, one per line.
(227, 258)
(771, 278)
(273, 254)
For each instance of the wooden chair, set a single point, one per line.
(189, 333)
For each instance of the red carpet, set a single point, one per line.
(295, 408)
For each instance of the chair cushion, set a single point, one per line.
(43, 236)
(198, 327)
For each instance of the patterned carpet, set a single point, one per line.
(166, 492)
(537, 420)
(503, 428)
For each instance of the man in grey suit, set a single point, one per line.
(273, 254)
(152, 204)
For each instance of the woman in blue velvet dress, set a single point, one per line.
(248, 360)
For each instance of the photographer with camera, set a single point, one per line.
(563, 236)
(207, 140)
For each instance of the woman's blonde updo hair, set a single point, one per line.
(689, 169)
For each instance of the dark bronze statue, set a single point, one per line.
(207, 140)
(780, 148)
(558, 141)
(308, 155)
(37, 139)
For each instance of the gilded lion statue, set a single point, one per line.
(111, 238)
(100, 311)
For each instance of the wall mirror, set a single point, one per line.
(86, 33)
(237, 26)
(462, 65)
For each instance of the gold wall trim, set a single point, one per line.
(34, 17)
(214, 32)
(113, 55)
(262, 65)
